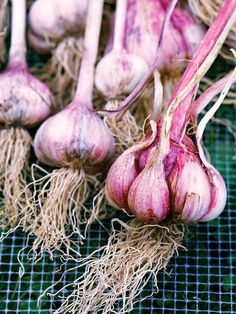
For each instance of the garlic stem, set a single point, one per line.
(158, 97)
(120, 21)
(84, 89)
(18, 43)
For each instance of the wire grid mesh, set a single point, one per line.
(201, 279)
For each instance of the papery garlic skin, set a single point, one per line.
(149, 197)
(53, 20)
(73, 137)
(190, 188)
(118, 73)
(24, 100)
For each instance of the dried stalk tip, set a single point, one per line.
(133, 255)
(207, 11)
(62, 70)
(53, 212)
(15, 147)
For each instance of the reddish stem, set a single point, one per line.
(120, 20)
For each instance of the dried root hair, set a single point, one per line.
(125, 131)
(15, 146)
(206, 11)
(135, 253)
(56, 209)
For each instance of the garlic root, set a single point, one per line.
(125, 130)
(53, 212)
(14, 165)
(134, 253)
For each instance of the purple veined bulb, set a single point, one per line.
(25, 101)
(118, 73)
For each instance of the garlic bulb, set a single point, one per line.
(118, 73)
(75, 137)
(24, 100)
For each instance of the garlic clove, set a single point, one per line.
(118, 73)
(24, 100)
(149, 197)
(125, 169)
(218, 194)
(119, 179)
(190, 188)
(81, 138)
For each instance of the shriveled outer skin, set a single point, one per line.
(73, 137)
(55, 19)
(24, 100)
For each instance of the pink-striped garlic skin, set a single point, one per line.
(118, 73)
(24, 100)
(73, 137)
(190, 188)
(143, 29)
(53, 20)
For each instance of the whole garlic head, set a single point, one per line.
(73, 137)
(118, 73)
